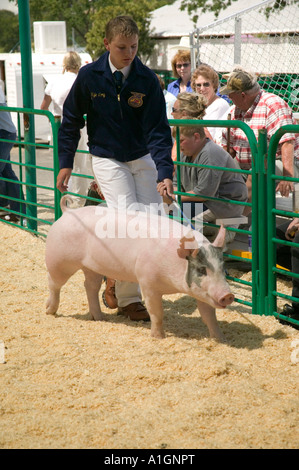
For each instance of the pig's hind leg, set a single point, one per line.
(92, 284)
(57, 277)
(54, 296)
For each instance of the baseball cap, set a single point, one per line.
(237, 81)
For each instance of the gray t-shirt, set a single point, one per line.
(214, 183)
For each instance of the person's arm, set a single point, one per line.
(46, 102)
(73, 121)
(192, 198)
(165, 189)
(157, 131)
(287, 158)
(292, 229)
(168, 197)
(63, 178)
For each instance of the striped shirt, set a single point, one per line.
(268, 111)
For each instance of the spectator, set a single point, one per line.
(288, 257)
(201, 181)
(205, 81)
(8, 188)
(128, 132)
(55, 94)
(181, 69)
(189, 106)
(170, 99)
(57, 90)
(260, 109)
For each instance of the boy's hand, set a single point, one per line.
(165, 189)
(63, 179)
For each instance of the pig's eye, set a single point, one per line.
(202, 271)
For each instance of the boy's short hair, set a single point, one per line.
(188, 131)
(123, 25)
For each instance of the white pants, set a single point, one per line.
(82, 165)
(131, 182)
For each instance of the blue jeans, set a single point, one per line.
(7, 188)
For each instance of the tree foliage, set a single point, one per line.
(85, 18)
(9, 36)
(76, 13)
(216, 6)
(139, 11)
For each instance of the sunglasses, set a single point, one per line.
(175, 110)
(205, 85)
(179, 66)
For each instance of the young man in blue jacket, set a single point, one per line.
(129, 135)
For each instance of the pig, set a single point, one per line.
(161, 254)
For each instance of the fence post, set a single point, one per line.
(271, 223)
(262, 221)
(57, 193)
(29, 132)
(237, 40)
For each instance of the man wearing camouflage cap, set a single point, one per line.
(260, 109)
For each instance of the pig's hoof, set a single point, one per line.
(97, 316)
(158, 334)
(220, 338)
(48, 312)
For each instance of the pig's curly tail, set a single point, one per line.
(63, 202)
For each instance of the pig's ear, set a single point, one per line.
(220, 239)
(188, 246)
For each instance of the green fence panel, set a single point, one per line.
(30, 167)
(254, 173)
(272, 213)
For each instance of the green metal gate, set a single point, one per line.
(272, 269)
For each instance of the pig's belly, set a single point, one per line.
(120, 259)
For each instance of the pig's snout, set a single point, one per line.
(226, 299)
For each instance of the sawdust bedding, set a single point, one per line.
(68, 382)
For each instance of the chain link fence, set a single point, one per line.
(267, 44)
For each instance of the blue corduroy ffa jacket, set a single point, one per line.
(124, 127)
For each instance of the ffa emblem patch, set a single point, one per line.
(136, 100)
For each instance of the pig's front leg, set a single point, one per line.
(208, 315)
(153, 303)
(92, 284)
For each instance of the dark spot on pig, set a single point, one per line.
(210, 258)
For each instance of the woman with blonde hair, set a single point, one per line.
(57, 90)
(71, 62)
(189, 106)
(181, 69)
